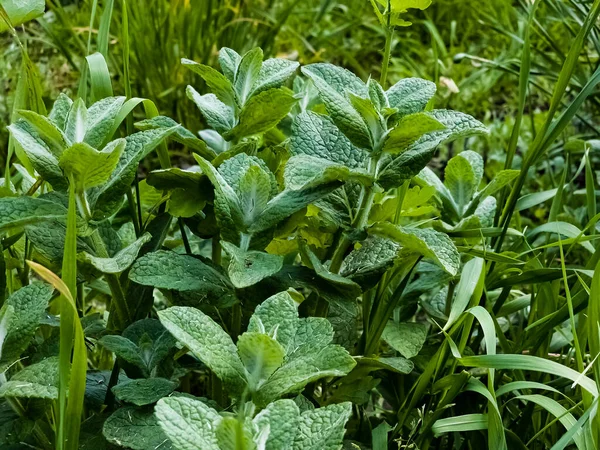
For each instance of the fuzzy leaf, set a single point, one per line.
(217, 114)
(277, 316)
(144, 391)
(121, 260)
(410, 95)
(247, 73)
(261, 355)
(208, 342)
(36, 381)
(248, 268)
(100, 119)
(408, 130)
(462, 177)
(273, 74)
(281, 418)
(323, 428)
(229, 60)
(215, 80)
(406, 338)
(20, 211)
(137, 429)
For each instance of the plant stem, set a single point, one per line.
(389, 36)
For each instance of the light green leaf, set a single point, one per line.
(367, 263)
(125, 349)
(21, 11)
(462, 177)
(429, 243)
(277, 316)
(407, 337)
(247, 74)
(217, 114)
(20, 211)
(233, 435)
(323, 428)
(273, 74)
(216, 81)
(60, 110)
(144, 391)
(36, 381)
(280, 419)
(316, 135)
(208, 342)
(262, 112)
(410, 95)
(254, 192)
(137, 429)
(27, 306)
(246, 268)
(188, 423)
(169, 270)
(408, 130)
(340, 79)
(100, 119)
(90, 167)
(502, 178)
(120, 261)
(229, 60)
(261, 355)
(47, 131)
(77, 121)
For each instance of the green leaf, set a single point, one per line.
(20, 211)
(234, 435)
(408, 130)
(407, 338)
(137, 429)
(106, 199)
(281, 419)
(368, 262)
(246, 268)
(217, 114)
(415, 158)
(502, 178)
(60, 110)
(229, 60)
(21, 11)
(429, 243)
(463, 176)
(47, 131)
(273, 74)
(254, 192)
(338, 78)
(348, 120)
(262, 112)
(188, 423)
(181, 135)
(316, 135)
(216, 81)
(465, 422)
(247, 73)
(208, 342)
(395, 364)
(410, 95)
(261, 355)
(27, 306)
(169, 270)
(277, 316)
(322, 428)
(144, 391)
(90, 167)
(101, 117)
(121, 260)
(36, 381)
(77, 121)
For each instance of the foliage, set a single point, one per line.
(282, 253)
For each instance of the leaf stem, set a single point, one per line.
(389, 36)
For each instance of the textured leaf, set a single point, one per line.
(233, 435)
(27, 306)
(281, 419)
(60, 110)
(367, 263)
(340, 79)
(36, 381)
(323, 428)
(261, 355)
(20, 211)
(415, 158)
(410, 95)
(262, 112)
(105, 200)
(406, 338)
(137, 429)
(169, 270)
(208, 342)
(215, 80)
(395, 364)
(273, 73)
(408, 130)
(189, 423)
(101, 117)
(316, 135)
(76, 125)
(248, 268)
(254, 192)
(47, 131)
(120, 261)
(247, 73)
(90, 167)
(229, 60)
(125, 349)
(277, 316)
(463, 175)
(348, 120)
(217, 114)
(144, 391)
(429, 243)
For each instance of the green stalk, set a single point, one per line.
(389, 36)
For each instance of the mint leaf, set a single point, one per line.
(188, 423)
(277, 316)
(248, 268)
(137, 429)
(208, 342)
(217, 114)
(229, 60)
(273, 74)
(216, 81)
(76, 125)
(36, 381)
(169, 270)
(88, 166)
(101, 117)
(60, 110)
(121, 260)
(429, 243)
(27, 306)
(463, 176)
(20, 211)
(408, 130)
(233, 435)
(20, 11)
(322, 428)
(280, 419)
(369, 261)
(406, 338)
(261, 355)
(144, 391)
(410, 95)
(262, 112)
(247, 73)
(47, 131)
